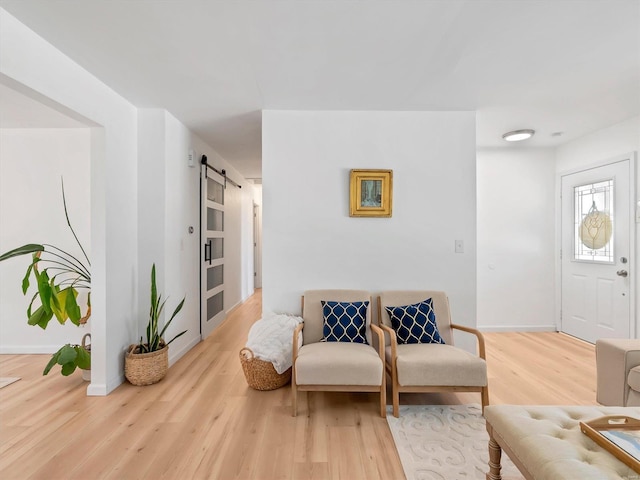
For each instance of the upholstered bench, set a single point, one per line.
(545, 442)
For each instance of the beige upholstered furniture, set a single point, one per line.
(336, 366)
(431, 367)
(618, 363)
(546, 443)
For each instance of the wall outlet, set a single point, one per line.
(459, 246)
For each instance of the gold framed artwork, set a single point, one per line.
(370, 193)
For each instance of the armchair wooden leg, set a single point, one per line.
(294, 398)
(485, 397)
(383, 400)
(396, 401)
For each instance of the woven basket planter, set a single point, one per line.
(261, 375)
(146, 368)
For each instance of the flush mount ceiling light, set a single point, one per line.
(518, 135)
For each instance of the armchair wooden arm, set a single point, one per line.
(380, 333)
(383, 386)
(393, 340)
(294, 355)
(296, 334)
(478, 334)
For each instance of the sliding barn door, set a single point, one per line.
(212, 310)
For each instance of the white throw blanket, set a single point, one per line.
(270, 339)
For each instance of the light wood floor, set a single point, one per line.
(202, 421)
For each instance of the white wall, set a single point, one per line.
(309, 240)
(181, 276)
(32, 162)
(516, 234)
(35, 67)
(258, 194)
(598, 147)
(151, 210)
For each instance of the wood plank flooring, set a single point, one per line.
(202, 421)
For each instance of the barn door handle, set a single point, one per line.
(207, 252)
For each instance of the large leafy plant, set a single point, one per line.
(155, 335)
(59, 277)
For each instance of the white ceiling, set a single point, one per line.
(569, 66)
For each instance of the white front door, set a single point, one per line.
(212, 251)
(596, 252)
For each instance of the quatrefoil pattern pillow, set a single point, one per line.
(344, 321)
(415, 323)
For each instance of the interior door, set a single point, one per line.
(257, 247)
(596, 252)
(212, 310)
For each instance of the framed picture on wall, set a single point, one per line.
(370, 193)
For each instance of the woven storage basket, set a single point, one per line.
(146, 368)
(260, 374)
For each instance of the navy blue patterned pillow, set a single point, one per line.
(344, 321)
(415, 323)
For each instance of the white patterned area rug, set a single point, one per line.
(444, 442)
(4, 381)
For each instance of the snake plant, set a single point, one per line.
(155, 335)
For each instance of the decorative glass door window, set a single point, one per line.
(593, 238)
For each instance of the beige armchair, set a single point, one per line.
(431, 367)
(618, 365)
(336, 366)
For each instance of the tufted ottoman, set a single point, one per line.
(546, 443)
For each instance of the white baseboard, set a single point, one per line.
(96, 390)
(233, 307)
(517, 328)
(174, 357)
(115, 382)
(28, 349)
(102, 390)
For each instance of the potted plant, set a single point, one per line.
(147, 362)
(59, 277)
